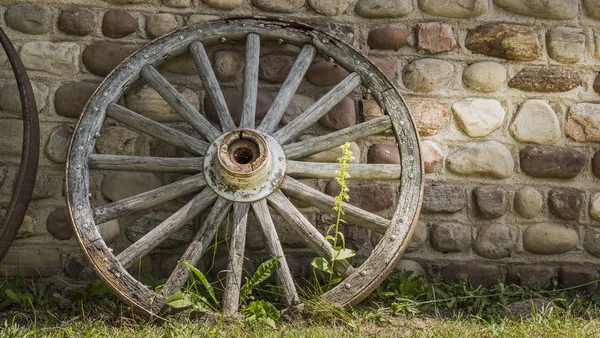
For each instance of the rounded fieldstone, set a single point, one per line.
(565, 44)
(331, 155)
(551, 161)
(545, 79)
(490, 201)
(160, 24)
(12, 137)
(475, 274)
(583, 122)
(408, 266)
(177, 3)
(100, 58)
(382, 153)
(419, 237)
(299, 105)
(545, 9)
(388, 38)
(228, 65)
(596, 164)
(329, 7)
(383, 8)
(485, 76)
(342, 115)
(58, 224)
(513, 42)
(44, 187)
(426, 75)
(141, 226)
(459, 9)
(479, 117)
(370, 109)
(311, 184)
(565, 203)
(109, 230)
(435, 37)
(582, 276)
(530, 275)
(592, 8)
(233, 99)
(29, 18)
(58, 58)
(371, 196)
(388, 68)
(536, 122)
(596, 84)
(10, 100)
(591, 241)
(450, 237)
(146, 101)
(444, 198)
(117, 140)
(595, 206)
(325, 74)
(223, 4)
(180, 64)
(549, 239)
(57, 146)
(119, 185)
(528, 202)
(117, 23)
(430, 116)
(483, 158)
(71, 98)
(77, 21)
(279, 6)
(495, 241)
(432, 155)
(275, 67)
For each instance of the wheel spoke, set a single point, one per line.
(174, 165)
(166, 134)
(356, 171)
(317, 144)
(318, 109)
(274, 249)
(165, 229)
(149, 199)
(231, 296)
(250, 81)
(288, 89)
(313, 237)
(181, 105)
(297, 190)
(213, 90)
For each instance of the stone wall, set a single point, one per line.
(502, 92)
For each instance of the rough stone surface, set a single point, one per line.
(479, 117)
(430, 116)
(495, 241)
(310, 183)
(596, 164)
(476, 274)
(117, 140)
(29, 18)
(10, 101)
(571, 276)
(59, 224)
(275, 67)
(528, 202)
(388, 38)
(591, 241)
(109, 230)
(127, 2)
(450, 237)
(545, 9)
(583, 123)
(388, 68)
(383, 8)
(141, 226)
(565, 203)
(565, 44)
(484, 76)
(119, 185)
(160, 24)
(100, 58)
(44, 187)
(371, 196)
(57, 145)
(324, 74)
(228, 65)
(592, 8)
(536, 122)
(77, 21)
(342, 115)
(279, 6)
(426, 75)
(79, 269)
(331, 155)
(370, 109)
(329, 7)
(490, 201)
(117, 24)
(444, 198)
(551, 161)
(409, 266)
(435, 37)
(31, 261)
(223, 4)
(530, 275)
(419, 237)
(177, 3)
(233, 99)
(146, 101)
(12, 136)
(549, 239)
(595, 206)
(71, 98)
(459, 9)
(545, 79)
(482, 158)
(60, 58)
(596, 84)
(381, 153)
(432, 155)
(511, 42)
(299, 104)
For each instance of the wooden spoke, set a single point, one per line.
(165, 229)
(274, 249)
(231, 296)
(318, 109)
(199, 244)
(304, 228)
(174, 165)
(356, 171)
(317, 144)
(166, 134)
(288, 89)
(181, 105)
(213, 90)
(250, 80)
(297, 190)
(149, 199)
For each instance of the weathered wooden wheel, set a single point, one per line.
(245, 167)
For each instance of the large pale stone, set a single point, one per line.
(228, 65)
(545, 9)
(10, 101)
(511, 42)
(146, 101)
(536, 122)
(432, 155)
(383, 8)
(583, 123)
(426, 75)
(435, 37)
(479, 117)
(279, 6)
(460, 9)
(119, 185)
(329, 7)
(592, 8)
(485, 76)
(117, 140)
(495, 241)
(565, 44)
(528, 202)
(109, 230)
(430, 116)
(408, 266)
(59, 58)
(549, 239)
(595, 206)
(486, 158)
(160, 24)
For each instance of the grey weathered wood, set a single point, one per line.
(165, 229)
(155, 129)
(356, 171)
(149, 198)
(194, 252)
(297, 190)
(315, 240)
(174, 165)
(181, 105)
(288, 89)
(317, 144)
(235, 264)
(274, 249)
(250, 81)
(318, 109)
(211, 85)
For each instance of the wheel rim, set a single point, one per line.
(359, 281)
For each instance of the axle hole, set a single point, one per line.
(243, 152)
(243, 155)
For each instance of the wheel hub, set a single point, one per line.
(244, 165)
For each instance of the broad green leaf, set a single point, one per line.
(264, 271)
(341, 254)
(203, 280)
(321, 264)
(178, 300)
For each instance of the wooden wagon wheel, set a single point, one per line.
(245, 167)
(25, 180)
